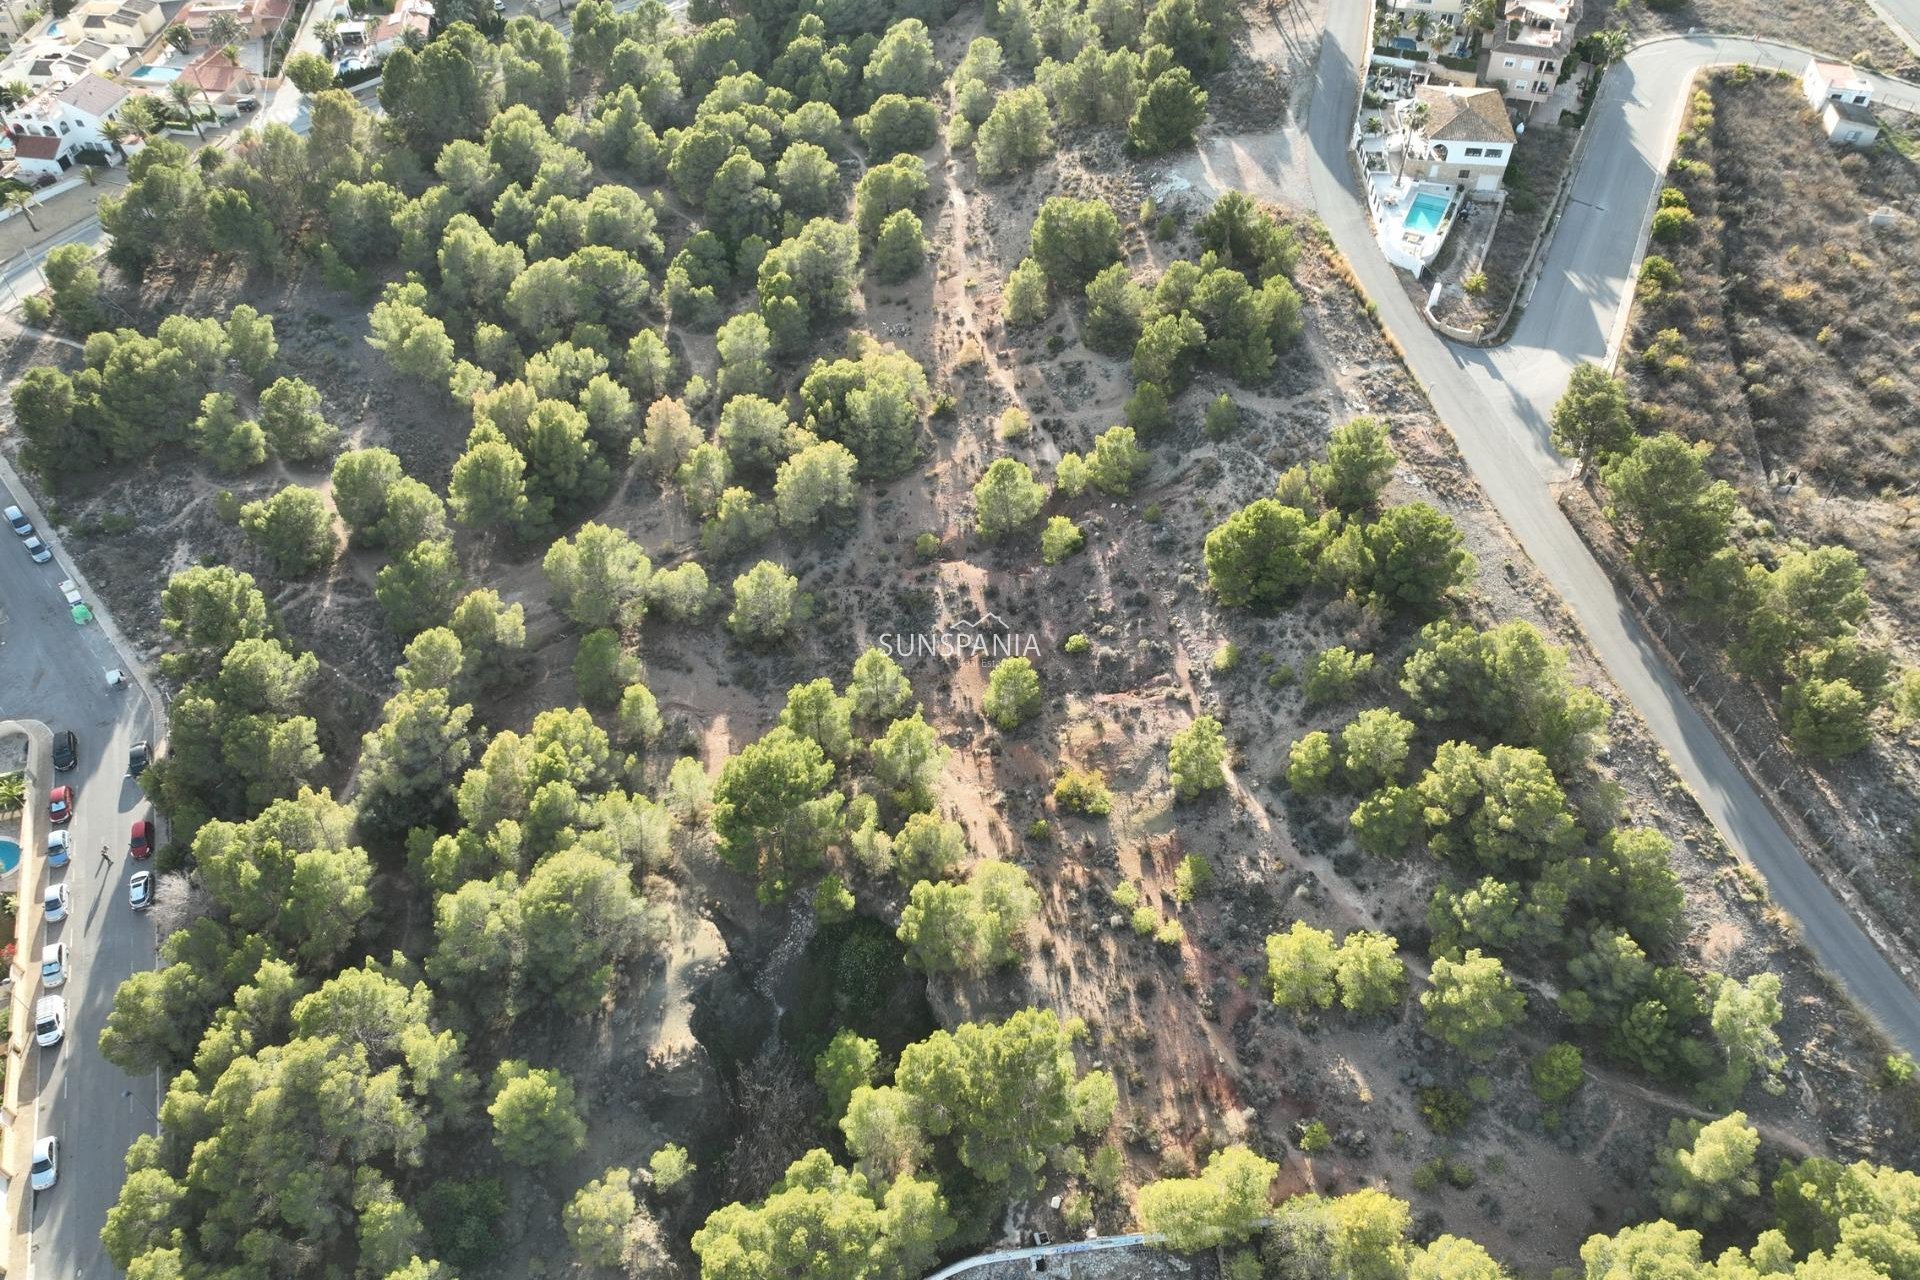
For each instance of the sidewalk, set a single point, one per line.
(57, 215)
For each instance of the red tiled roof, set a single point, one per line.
(212, 72)
(36, 146)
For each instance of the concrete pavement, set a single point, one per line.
(54, 671)
(1496, 405)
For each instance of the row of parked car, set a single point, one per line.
(50, 1013)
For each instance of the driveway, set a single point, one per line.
(54, 671)
(1496, 403)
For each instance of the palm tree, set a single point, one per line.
(15, 92)
(225, 29)
(138, 116)
(180, 36)
(182, 92)
(327, 31)
(1412, 120)
(13, 792)
(22, 199)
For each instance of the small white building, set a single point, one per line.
(1848, 125)
(1825, 82)
(1448, 12)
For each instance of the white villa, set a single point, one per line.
(1824, 82)
(51, 131)
(1443, 146)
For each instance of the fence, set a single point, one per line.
(1741, 718)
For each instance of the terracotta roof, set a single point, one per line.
(35, 146)
(93, 95)
(212, 72)
(1464, 115)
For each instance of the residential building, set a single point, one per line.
(1524, 54)
(133, 23)
(59, 127)
(42, 60)
(1848, 125)
(214, 76)
(1824, 82)
(373, 40)
(257, 18)
(1466, 138)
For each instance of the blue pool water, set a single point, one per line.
(9, 855)
(1425, 213)
(156, 75)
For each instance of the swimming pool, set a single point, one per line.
(156, 75)
(9, 855)
(1425, 214)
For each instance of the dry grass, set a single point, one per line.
(1841, 28)
(1786, 342)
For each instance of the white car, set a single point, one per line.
(53, 965)
(59, 848)
(140, 890)
(18, 519)
(50, 1021)
(46, 1164)
(37, 551)
(58, 899)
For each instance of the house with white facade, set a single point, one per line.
(1529, 47)
(60, 127)
(1458, 136)
(1824, 82)
(1425, 159)
(1849, 126)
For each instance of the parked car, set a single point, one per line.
(53, 965)
(37, 551)
(66, 750)
(59, 848)
(18, 519)
(140, 890)
(140, 841)
(60, 805)
(50, 1021)
(46, 1164)
(58, 899)
(139, 756)
(247, 102)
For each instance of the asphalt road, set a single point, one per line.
(1496, 405)
(54, 671)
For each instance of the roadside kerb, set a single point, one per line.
(17, 1109)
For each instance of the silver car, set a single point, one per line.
(58, 899)
(53, 965)
(37, 551)
(46, 1164)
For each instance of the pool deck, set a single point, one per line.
(1392, 201)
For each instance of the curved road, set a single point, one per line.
(1496, 403)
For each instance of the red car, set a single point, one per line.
(60, 805)
(140, 843)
